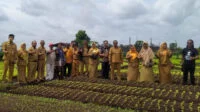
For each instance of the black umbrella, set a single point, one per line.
(63, 44)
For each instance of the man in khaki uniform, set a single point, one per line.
(85, 59)
(115, 59)
(41, 61)
(32, 62)
(10, 57)
(75, 64)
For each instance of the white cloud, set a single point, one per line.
(59, 20)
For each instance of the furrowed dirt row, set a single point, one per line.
(115, 100)
(165, 94)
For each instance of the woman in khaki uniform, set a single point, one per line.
(164, 55)
(22, 63)
(133, 64)
(93, 60)
(146, 55)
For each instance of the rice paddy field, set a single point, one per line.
(80, 94)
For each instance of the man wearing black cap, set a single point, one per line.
(10, 57)
(189, 55)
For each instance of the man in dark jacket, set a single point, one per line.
(60, 62)
(105, 62)
(189, 55)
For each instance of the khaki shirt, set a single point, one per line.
(22, 57)
(85, 51)
(11, 48)
(93, 51)
(34, 56)
(75, 54)
(164, 57)
(115, 55)
(42, 53)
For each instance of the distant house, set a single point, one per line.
(139, 43)
(154, 47)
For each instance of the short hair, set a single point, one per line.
(11, 35)
(192, 42)
(75, 44)
(34, 41)
(105, 41)
(115, 41)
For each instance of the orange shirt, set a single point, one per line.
(68, 54)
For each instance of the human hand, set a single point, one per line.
(5, 52)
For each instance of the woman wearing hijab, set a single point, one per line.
(93, 60)
(164, 55)
(146, 55)
(133, 64)
(22, 63)
(189, 56)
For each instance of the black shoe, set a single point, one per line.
(184, 83)
(193, 84)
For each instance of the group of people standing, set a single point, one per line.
(32, 59)
(70, 60)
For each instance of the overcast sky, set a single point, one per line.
(59, 20)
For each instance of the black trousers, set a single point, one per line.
(59, 72)
(105, 69)
(188, 68)
(68, 66)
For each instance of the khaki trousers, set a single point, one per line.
(32, 68)
(41, 69)
(115, 66)
(21, 74)
(84, 64)
(8, 65)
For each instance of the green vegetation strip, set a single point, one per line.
(136, 84)
(22, 103)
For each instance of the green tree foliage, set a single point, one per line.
(138, 45)
(80, 36)
(1, 53)
(173, 46)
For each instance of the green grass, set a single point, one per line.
(23, 103)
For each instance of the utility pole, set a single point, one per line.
(129, 40)
(151, 42)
